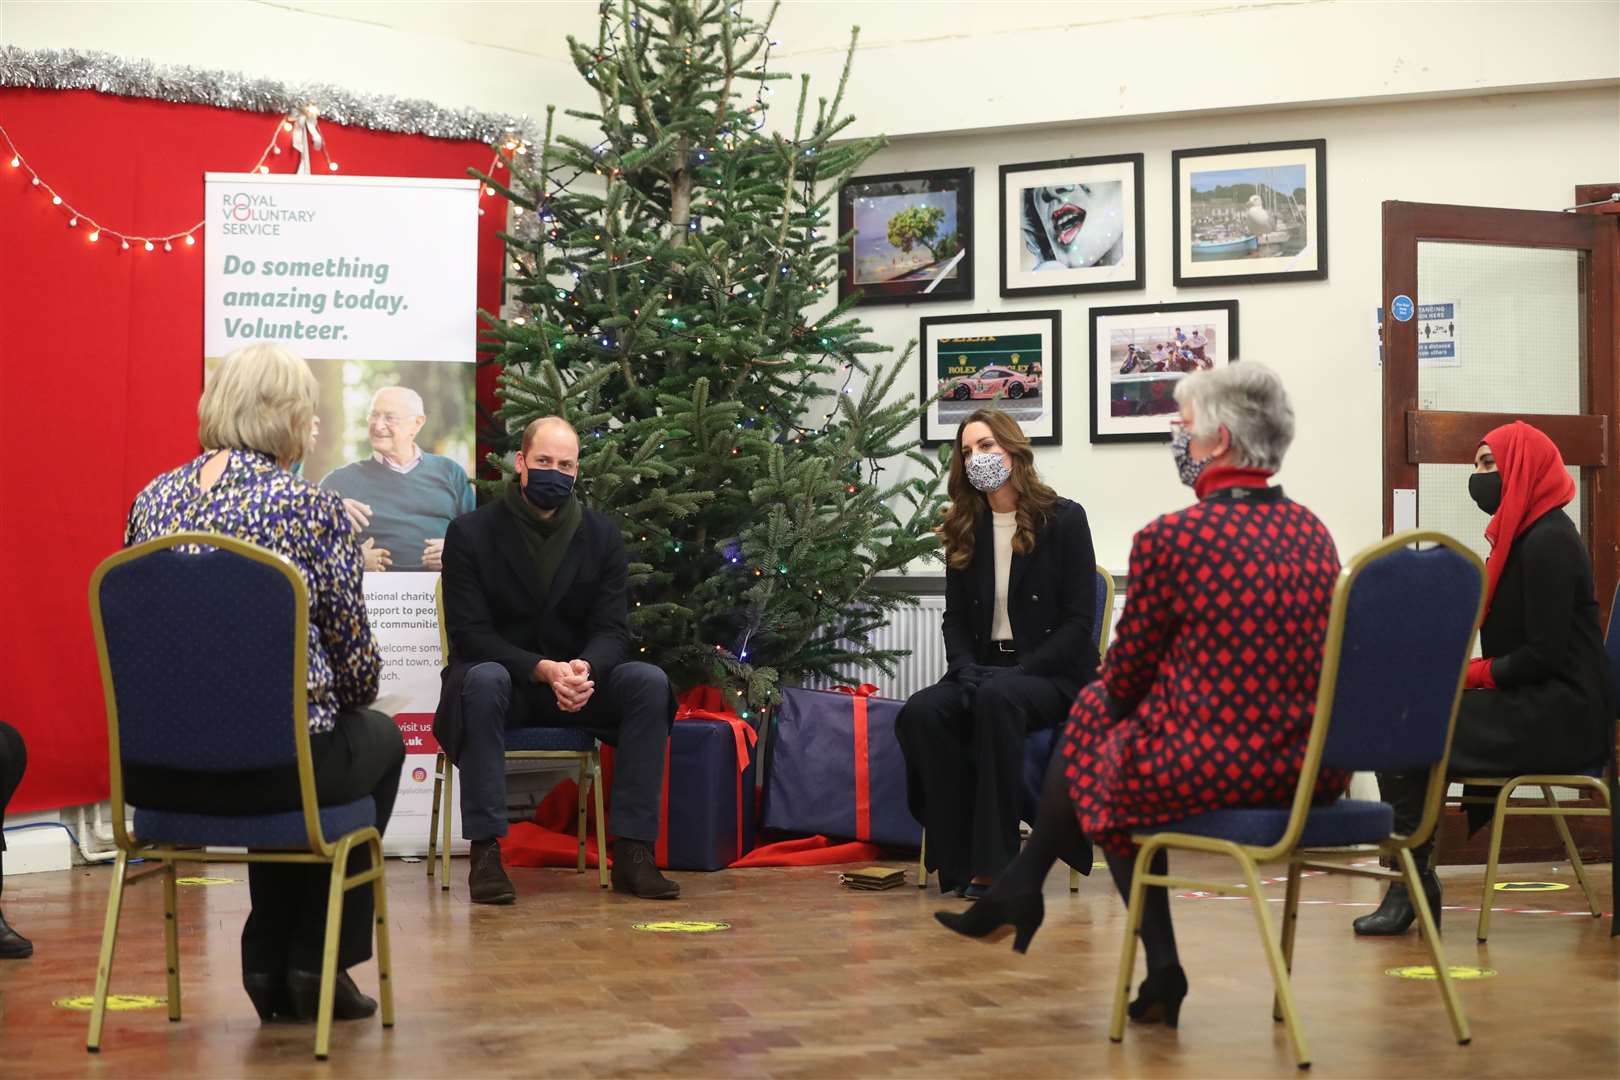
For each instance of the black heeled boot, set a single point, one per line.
(348, 1003)
(1158, 999)
(1396, 914)
(1022, 912)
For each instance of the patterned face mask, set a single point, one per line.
(988, 472)
(1188, 469)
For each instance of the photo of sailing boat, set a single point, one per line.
(1252, 213)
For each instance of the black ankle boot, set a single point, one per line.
(1396, 914)
(268, 992)
(636, 872)
(1158, 999)
(13, 946)
(1022, 912)
(487, 882)
(348, 1003)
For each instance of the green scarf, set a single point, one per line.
(546, 538)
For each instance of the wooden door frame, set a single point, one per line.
(1407, 442)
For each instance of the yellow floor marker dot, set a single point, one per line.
(115, 1002)
(207, 881)
(1530, 886)
(1426, 971)
(680, 926)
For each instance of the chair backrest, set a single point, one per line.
(203, 645)
(1399, 636)
(1398, 642)
(1105, 608)
(1611, 641)
(438, 609)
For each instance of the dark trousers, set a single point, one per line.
(13, 760)
(631, 710)
(286, 928)
(965, 765)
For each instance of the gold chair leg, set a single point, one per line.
(1274, 958)
(445, 815)
(601, 820)
(1431, 936)
(385, 954)
(334, 915)
(109, 938)
(1127, 954)
(433, 821)
(583, 781)
(1074, 880)
(1289, 928)
(922, 865)
(171, 937)
(1498, 821)
(1574, 852)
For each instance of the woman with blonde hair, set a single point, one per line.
(256, 421)
(1020, 642)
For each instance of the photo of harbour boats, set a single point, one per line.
(1249, 213)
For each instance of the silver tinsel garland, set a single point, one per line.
(75, 69)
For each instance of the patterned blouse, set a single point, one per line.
(256, 500)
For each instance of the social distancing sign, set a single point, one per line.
(681, 926)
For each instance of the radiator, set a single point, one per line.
(916, 630)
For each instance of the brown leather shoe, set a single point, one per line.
(635, 872)
(487, 882)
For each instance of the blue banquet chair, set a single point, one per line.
(1398, 641)
(203, 646)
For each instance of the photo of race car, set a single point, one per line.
(992, 382)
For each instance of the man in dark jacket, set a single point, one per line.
(534, 602)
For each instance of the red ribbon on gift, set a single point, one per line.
(863, 766)
(708, 703)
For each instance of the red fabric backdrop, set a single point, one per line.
(101, 366)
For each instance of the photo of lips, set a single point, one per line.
(1071, 226)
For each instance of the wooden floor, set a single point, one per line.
(812, 980)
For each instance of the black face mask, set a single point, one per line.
(548, 488)
(1486, 490)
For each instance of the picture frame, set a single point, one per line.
(1012, 361)
(1249, 215)
(1072, 226)
(1139, 352)
(913, 237)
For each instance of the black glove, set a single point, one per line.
(976, 675)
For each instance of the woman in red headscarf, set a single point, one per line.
(1539, 700)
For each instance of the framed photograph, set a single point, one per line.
(1139, 353)
(913, 237)
(1247, 215)
(1012, 362)
(1071, 226)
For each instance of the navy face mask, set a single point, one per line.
(548, 488)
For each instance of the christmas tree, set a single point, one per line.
(665, 282)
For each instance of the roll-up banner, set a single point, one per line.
(373, 281)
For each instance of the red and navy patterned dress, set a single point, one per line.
(1205, 699)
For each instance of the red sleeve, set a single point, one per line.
(1147, 624)
(1479, 675)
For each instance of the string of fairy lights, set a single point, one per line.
(95, 229)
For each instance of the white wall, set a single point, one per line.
(1433, 120)
(1526, 151)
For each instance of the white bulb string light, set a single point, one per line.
(95, 232)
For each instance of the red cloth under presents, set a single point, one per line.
(1206, 696)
